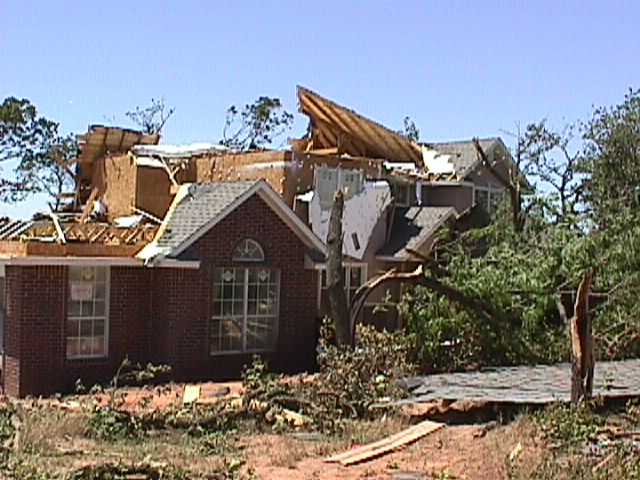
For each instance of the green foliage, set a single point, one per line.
(114, 425)
(256, 125)
(583, 211)
(348, 384)
(612, 160)
(41, 157)
(562, 424)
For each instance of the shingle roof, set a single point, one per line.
(411, 227)
(463, 153)
(202, 203)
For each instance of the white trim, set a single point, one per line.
(276, 203)
(347, 283)
(107, 320)
(33, 260)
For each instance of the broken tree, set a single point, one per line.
(335, 284)
(583, 358)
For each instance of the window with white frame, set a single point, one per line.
(488, 197)
(327, 181)
(353, 276)
(404, 194)
(88, 312)
(245, 304)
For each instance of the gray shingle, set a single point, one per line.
(411, 227)
(463, 153)
(203, 203)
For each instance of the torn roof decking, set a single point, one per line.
(40, 237)
(366, 138)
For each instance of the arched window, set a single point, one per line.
(248, 251)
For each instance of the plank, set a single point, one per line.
(386, 445)
(191, 394)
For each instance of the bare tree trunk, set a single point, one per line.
(581, 331)
(335, 284)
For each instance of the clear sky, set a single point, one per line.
(458, 68)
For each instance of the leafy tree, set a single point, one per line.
(151, 119)
(42, 157)
(612, 160)
(590, 171)
(256, 125)
(410, 130)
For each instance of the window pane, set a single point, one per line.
(73, 328)
(73, 347)
(100, 309)
(74, 309)
(101, 291)
(98, 328)
(86, 328)
(85, 346)
(99, 347)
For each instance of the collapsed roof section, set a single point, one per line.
(412, 230)
(100, 140)
(54, 237)
(338, 130)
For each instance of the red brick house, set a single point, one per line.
(225, 277)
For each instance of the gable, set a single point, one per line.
(197, 208)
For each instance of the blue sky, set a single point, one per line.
(459, 69)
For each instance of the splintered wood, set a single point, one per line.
(386, 445)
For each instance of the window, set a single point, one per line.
(245, 304)
(488, 197)
(402, 192)
(354, 275)
(248, 251)
(327, 181)
(87, 312)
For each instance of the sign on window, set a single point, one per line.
(81, 291)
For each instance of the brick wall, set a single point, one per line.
(160, 315)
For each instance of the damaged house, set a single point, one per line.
(198, 257)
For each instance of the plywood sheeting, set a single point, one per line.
(119, 185)
(386, 445)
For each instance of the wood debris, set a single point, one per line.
(386, 445)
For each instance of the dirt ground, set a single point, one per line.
(52, 437)
(465, 451)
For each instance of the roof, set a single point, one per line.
(198, 207)
(412, 226)
(200, 203)
(360, 216)
(335, 120)
(100, 140)
(464, 155)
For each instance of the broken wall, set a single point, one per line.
(119, 185)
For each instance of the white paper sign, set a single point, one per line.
(81, 291)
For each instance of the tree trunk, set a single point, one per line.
(335, 284)
(581, 332)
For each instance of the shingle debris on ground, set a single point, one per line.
(525, 384)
